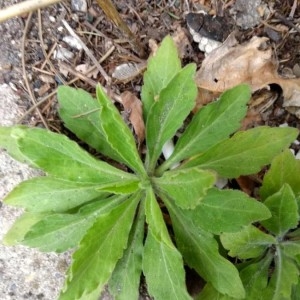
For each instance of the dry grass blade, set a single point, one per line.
(92, 69)
(32, 97)
(87, 51)
(24, 7)
(133, 106)
(44, 47)
(112, 13)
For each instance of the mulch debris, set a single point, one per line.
(52, 55)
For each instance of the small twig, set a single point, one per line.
(87, 51)
(43, 48)
(111, 12)
(98, 32)
(32, 97)
(227, 4)
(136, 14)
(23, 8)
(294, 7)
(36, 105)
(287, 22)
(46, 98)
(42, 71)
(90, 81)
(272, 27)
(187, 6)
(107, 54)
(80, 75)
(49, 54)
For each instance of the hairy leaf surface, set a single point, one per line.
(255, 278)
(155, 219)
(284, 209)
(248, 243)
(285, 168)
(227, 211)
(60, 232)
(122, 187)
(60, 157)
(292, 250)
(285, 276)
(210, 293)
(47, 194)
(213, 123)
(99, 251)
(169, 111)
(186, 187)
(200, 251)
(117, 133)
(246, 152)
(162, 67)
(21, 226)
(162, 262)
(81, 114)
(125, 280)
(163, 269)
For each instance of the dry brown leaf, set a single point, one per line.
(258, 108)
(153, 47)
(62, 69)
(252, 63)
(246, 184)
(182, 43)
(133, 106)
(232, 64)
(46, 78)
(204, 97)
(83, 68)
(291, 93)
(44, 89)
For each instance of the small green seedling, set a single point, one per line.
(269, 254)
(140, 215)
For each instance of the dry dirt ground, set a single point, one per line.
(36, 57)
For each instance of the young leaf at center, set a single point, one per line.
(283, 170)
(168, 112)
(284, 208)
(162, 67)
(117, 133)
(212, 124)
(186, 187)
(250, 242)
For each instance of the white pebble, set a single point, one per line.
(72, 42)
(63, 54)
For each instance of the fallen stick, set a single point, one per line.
(23, 8)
